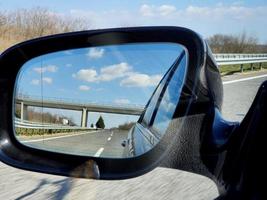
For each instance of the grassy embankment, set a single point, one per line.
(231, 69)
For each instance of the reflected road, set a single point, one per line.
(101, 143)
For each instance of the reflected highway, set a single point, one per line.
(100, 143)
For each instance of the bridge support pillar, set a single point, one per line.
(23, 111)
(84, 118)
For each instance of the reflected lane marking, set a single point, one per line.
(109, 138)
(244, 79)
(98, 153)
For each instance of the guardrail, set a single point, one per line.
(240, 59)
(37, 125)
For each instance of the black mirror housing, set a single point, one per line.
(203, 87)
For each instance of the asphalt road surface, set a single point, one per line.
(101, 143)
(160, 183)
(239, 95)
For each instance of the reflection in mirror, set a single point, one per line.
(103, 101)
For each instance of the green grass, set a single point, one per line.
(231, 69)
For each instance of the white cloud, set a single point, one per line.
(49, 68)
(88, 75)
(35, 82)
(112, 72)
(151, 10)
(141, 80)
(122, 101)
(46, 80)
(95, 53)
(166, 103)
(84, 88)
(39, 70)
(166, 10)
(107, 73)
(221, 12)
(207, 20)
(122, 70)
(147, 10)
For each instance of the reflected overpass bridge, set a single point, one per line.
(125, 109)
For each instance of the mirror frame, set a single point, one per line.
(15, 154)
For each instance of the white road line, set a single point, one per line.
(52, 138)
(111, 133)
(99, 151)
(244, 79)
(109, 138)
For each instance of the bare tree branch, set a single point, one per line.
(24, 24)
(242, 43)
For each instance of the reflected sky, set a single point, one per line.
(170, 98)
(115, 74)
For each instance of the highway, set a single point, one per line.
(160, 183)
(104, 143)
(238, 95)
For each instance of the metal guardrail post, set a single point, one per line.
(251, 66)
(241, 68)
(260, 66)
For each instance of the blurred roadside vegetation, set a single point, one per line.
(240, 43)
(24, 24)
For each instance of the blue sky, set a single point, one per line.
(204, 16)
(124, 75)
(207, 17)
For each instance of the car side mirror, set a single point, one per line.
(163, 79)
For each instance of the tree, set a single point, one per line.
(23, 24)
(100, 123)
(92, 125)
(126, 126)
(242, 43)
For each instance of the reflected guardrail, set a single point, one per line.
(39, 125)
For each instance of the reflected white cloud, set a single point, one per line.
(88, 75)
(46, 80)
(84, 88)
(114, 71)
(95, 53)
(141, 80)
(49, 68)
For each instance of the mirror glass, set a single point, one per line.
(107, 101)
